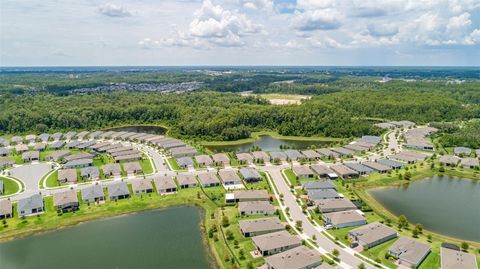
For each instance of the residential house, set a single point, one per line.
(141, 186)
(203, 160)
(5, 162)
(229, 177)
(57, 136)
(67, 175)
(261, 226)
(294, 155)
(40, 146)
(303, 171)
(30, 156)
(57, 145)
(66, 201)
(30, 205)
(328, 153)
(409, 252)
(247, 195)
(6, 209)
(30, 138)
(208, 179)
(273, 243)
(16, 140)
(57, 155)
(393, 164)
(112, 170)
(371, 139)
(70, 135)
(455, 259)
(186, 181)
(343, 152)
(5, 152)
(90, 173)
(78, 156)
(323, 171)
(220, 159)
(319, 194)
(469, 162)
(132, 168)
(371, 235)
(334, 205)
(462, 151)
(311, 155)
(449, 160)
(95, 134)
(356, 147)
(118, 190)
(378, 167)
(297, 258)
(318, 184)
(165, 184)
(344, 172)
(21, 148)
(278, 156)
(360, 168)
(260, 157)
(82, 135)
(185, 162)
(128, 158)
(93, 194)
(79, 163)
(250, 174)
(244, 158)
(73, 144)
(344, 219)
(255, 208)
(183, 152)
(44, 137)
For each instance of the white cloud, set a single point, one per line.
(266, 5)
(320, 19)
(459, 23)
(382, 29)
(113, 10)
(315, 4)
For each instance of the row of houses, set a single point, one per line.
(417, 138)
(69, 175)
(395, 124)
(449, 160)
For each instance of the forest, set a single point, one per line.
(345, 102)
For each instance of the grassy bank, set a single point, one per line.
(9, 186)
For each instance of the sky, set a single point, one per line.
(240, 32)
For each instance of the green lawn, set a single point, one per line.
(146, 166)
(52, 180)
(102, 159)
(378, 252)
(173, 164)
(9, 186)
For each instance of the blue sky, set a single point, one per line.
(240, 32)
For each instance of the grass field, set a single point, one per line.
(9, 186)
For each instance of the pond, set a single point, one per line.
(267, 143)
(168, 238)
(149, 129)
(442, 204)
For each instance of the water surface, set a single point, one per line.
(168, 238)
(268, 143)
(445, 205)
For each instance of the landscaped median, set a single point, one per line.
(10, 186)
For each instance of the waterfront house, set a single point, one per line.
(30, 205)
(393, 164)
(319, 194)
(165, 184)
(250, 195)
(371, 235)
(360, 168)
(90, 173)
(409, 252)
(82, 135)
(141, 186)
(183, 152)
(186, 181)
(297, 258)
(250, 174)
(44, 137)
(260, 157)
(462, 151)
(302, 171)
(220, 159)
(273, 243)
(208, 179)
(469, 162)
(456, 259)
(449, 160)
(93, 194)
(67, 175)
(66, 201)
(244, 158)
(344, 219)
(334, 205)
(378, 167)
(118, 190)
(294, 155)
(261, 226)
(203, 160)
(311, 155)
(70, 135)
(278, 156)
(328, 153)
(6, 209)
(255, 208)
(343, 152)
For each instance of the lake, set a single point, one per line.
(267, 143)
(149, 129)
(443, 204)
(167, 238)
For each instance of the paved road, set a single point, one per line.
(346, 255)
